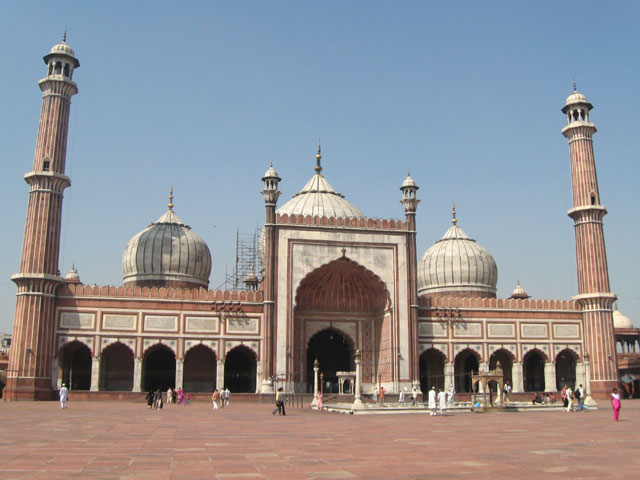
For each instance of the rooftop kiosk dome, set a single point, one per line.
(167, 254)
(456, 265)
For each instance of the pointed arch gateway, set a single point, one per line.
(342, 306)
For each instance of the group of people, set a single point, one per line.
(220, 399)
(177, 396)
(570, 397)
(437, 401)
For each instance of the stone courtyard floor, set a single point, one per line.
(101, 440)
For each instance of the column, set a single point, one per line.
(550, 377)
(95, 374)
(482, 368)
(588, 399)
(448, 376)
(316, 367)
(137, 375)
(516, 374)
(179, 372)
(220, 375)
(357, 402)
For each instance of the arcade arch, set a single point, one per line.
(566, 368)
(116, 368)
(240, 370)
(431, 370)
(505, 357)
(467, 363)
(75, 362)
(342, 298)
(159, 368)
(200, 368)
(533, 371)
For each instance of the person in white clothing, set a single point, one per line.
(442, 402)
(401, 397)
(451, 394)
(64, 396)
(570, 399)
(432, 401)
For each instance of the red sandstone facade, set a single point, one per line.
(332, 284)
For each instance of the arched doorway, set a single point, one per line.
(116, 368)
(533, 369)
(566, 369)
(466, 364)
(159, 368)
(334, 352)
(240, 370)
(350, 298)
(76, 366)
(200, 369)
(431, 370)
(506, 363)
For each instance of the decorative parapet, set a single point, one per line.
(362, 223)
(198, 294)
(498, 303)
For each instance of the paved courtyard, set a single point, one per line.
(100, 440)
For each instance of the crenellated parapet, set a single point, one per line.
(340, 222)
(498, 303)
(197, 294)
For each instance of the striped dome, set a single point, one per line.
(457, 265)
(167, 253)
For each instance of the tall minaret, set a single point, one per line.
(594, 295)
(33, 354)
(410, 203)
(270, 194)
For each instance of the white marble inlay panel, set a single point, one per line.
(467, 329)
(534, 331)
(77, 320)
(202, 324)
(432, 329)
(160, 323)
(501, 330)
(566, 331)
(119, 322)
(242, 325)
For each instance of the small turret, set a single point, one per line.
(409, 200)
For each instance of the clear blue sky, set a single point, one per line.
(202, 95)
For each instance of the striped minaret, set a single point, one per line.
(32, 356)
(594, 294)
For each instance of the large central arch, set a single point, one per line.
(344, 299)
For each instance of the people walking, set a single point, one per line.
(169, 396)
(414, 395)
(442, 402)
(569, 393)
(432, 401)
(180, 396)
(150, 398)
(226, 395)
(374, 394)
(451, 394)
(507, 392)
(615, 404)
(382, 391)
(579, 396)
(157, 399)
(401, 397)
(215, 397)
(64, 396)
(279, 403)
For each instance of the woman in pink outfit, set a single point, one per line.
(615, 403)
(180, 396)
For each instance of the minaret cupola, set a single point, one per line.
(271, 192)
(577, 107)
(409, 200)
(61, 60)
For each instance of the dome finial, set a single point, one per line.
(318, 167)
(454, 220)
(171, 198)
(64, 35)
(575, 88)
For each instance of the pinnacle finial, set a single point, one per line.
(318, 167)
(64, 36)
(171, 198)
(408, 173)
(455, 220)
(575, 89)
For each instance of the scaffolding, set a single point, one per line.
(248, 262)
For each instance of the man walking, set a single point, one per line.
(579, 394)
(64, 396)
(279, 403)
(432, 401)
(414, 395)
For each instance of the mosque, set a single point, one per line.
(333, 282)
